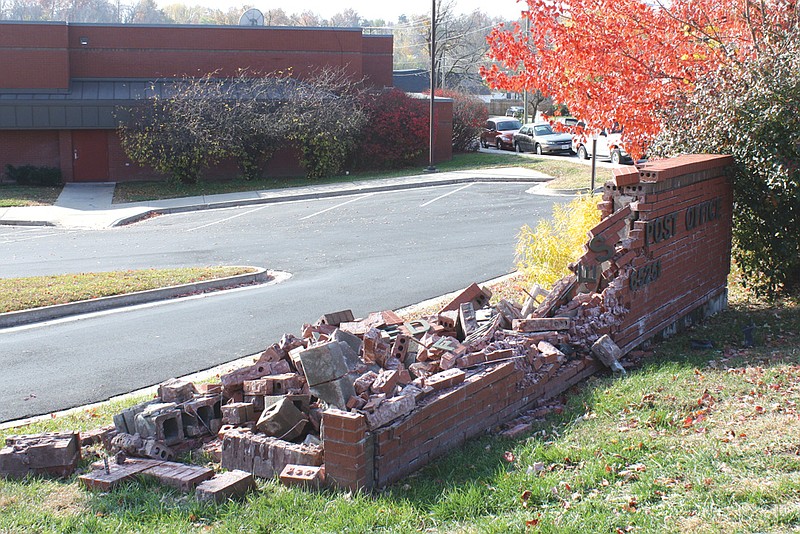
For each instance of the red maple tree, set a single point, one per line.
(625, 60)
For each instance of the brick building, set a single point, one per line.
(62, 82)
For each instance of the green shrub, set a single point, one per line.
(33, 175)
(544, 253)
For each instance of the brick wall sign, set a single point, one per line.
(658, 260)
(376, 398)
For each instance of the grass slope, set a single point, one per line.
(691, 441)
(37, 291)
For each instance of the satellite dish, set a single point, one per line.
(252, 17)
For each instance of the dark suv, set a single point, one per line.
(499, 132)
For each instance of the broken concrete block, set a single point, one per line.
(389, 410)
(207, 413)
(259, 386)
(337, 318)
(323, 363)
(445, 379)
(543, 324)
(301, 401)
(175, 390)
(157, 450)
(161, 422)
(353, 341)
(238, 413)
(335, 393)
(306, 476)
(508, 311)
(55, 453)
(609, 353)
(256, 400)
(224, 486)
(467, 324)
(135, 445)
(125, 421)
(285, 382)
(282, 420)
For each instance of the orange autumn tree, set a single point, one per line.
(627, 60)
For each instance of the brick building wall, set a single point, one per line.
(137, 51)
(34, 56)
(38, 61)
(637, 231)
(23, 147)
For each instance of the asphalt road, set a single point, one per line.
(366, 253)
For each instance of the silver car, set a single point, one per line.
(541, 138)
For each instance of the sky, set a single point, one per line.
(368, 9)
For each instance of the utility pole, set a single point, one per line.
(431, 132)
(525, 94)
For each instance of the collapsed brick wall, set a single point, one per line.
(661, 252)
(660, 255)
(362, 403)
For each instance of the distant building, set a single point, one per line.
(419, 81)
(62, 82)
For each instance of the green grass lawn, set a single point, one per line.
(22, 195)
(568, 175)
(33, 292)
(689, 441)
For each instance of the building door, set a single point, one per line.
(90, 156)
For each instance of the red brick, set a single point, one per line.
(307, 476)
(226, 485)
(471, 294)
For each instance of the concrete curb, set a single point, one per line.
(37, 315)
(317, 195)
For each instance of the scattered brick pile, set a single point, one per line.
(360, 403)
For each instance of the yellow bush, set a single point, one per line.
(543, 254)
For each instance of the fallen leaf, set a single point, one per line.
(509, 457)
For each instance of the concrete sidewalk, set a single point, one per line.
(89, 206)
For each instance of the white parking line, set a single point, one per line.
(6, 240)
(446, 195)
(336, 206)
(226, 219)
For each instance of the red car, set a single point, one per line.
(499, 132)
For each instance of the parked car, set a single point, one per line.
(568, 122)
(515, 111)
(609, 146)
(541, 138)
(499, 132)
